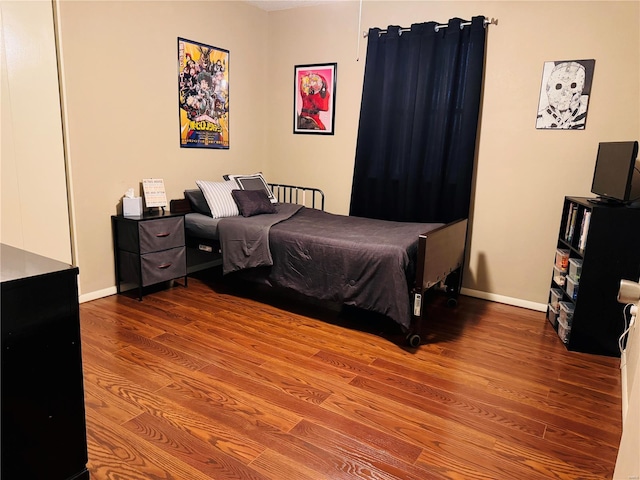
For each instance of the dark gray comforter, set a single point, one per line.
(356, 261)
(245, 240)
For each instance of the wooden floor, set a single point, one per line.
(224, 380)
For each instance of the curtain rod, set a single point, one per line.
(493, 21)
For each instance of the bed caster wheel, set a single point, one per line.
(413, 340)
(452, 302)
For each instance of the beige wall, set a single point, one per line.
(119, 71)
(523, 173)
(34, 213)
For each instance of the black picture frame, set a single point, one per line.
(314, 98)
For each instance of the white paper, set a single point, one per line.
(154, 193)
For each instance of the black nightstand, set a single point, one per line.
(149, 249)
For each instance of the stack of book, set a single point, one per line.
(572, 230)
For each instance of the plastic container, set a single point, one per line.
(552, 315)
(571, 287)
(565, 312)
(575, 268)
(555, 297)
(562, 259)
(564, 330)
(559, 276)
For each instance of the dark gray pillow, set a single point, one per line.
(252, 202)
(198, 202)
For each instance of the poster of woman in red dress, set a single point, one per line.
(314, 98)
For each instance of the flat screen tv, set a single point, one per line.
(616, 177)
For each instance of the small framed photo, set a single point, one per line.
(314, 98)
(564, 95)
(154, 192)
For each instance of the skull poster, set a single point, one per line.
(203, 95)
(314, 98)
(564, 96)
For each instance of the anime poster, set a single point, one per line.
(314, 98)
(203, 81)
(564, 95)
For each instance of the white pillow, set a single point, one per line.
(253, 182)
(218, 197)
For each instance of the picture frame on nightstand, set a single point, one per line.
(154, 193)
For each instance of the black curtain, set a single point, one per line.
(418, 122)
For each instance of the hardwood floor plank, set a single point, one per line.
(372, 458)
(320, 414)
(114, 453)
(546, 463)
(325, 464)
(275, 465)
(474, 413)
(453, 460)
(223, 397)
(545, 411)
(190, 450)
(115, 363)
(225, 380)
(137, 401)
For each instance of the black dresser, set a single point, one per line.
(42, 396)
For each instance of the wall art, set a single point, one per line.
(203, 92)
(564, 95)
(314, 98)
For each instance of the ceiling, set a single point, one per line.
(271, 5)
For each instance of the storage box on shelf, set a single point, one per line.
(575, 268)
(556, 296)
(559, 276)
(571, 287)
(562, 259)
(565, 318)
(600, 245)
(552, 314)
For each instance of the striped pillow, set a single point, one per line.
(218, 197)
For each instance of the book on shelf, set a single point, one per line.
(584, 230)
(571, 222)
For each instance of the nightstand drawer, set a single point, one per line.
(155, 267)
(161, 234)
(165, 265)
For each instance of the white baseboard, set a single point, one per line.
(516, 302)
(87, 297)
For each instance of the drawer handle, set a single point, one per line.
(165, 234)
(164, 265)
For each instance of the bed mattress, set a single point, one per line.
(201, 226)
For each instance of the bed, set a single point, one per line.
(380, 266)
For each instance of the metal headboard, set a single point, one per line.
(306, 196)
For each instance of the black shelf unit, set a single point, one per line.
(610, 251)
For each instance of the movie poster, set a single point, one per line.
(203, 82)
